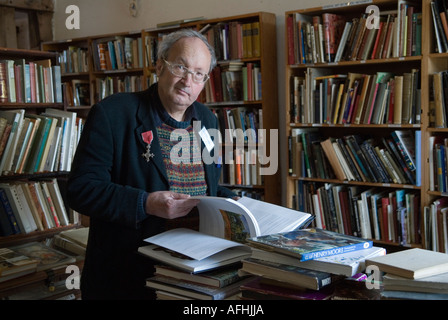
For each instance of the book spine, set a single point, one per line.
(335, 251)
(9, 212)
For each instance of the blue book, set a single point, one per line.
(310, 244)
(418, 158)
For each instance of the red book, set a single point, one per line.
(385, 202)
(290, 39)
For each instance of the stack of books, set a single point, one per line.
(17, 261)
(304, 264)
(214, 253)
(217, 284)
(415, 274)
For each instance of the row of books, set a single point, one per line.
(439, 12)
(74, 60)
(30, 82)
(242, 167)
(234, 40)
(240, 124)
(372, 213)
(373, 35)
(234, 81)
(117, 53)
(355, 98)
(31, 206)
(396, 159)
(438, 102)
(438, 161)
(77, 92)
(434, 225)
(111, 85)
(38, 143)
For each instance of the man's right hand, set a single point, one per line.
(169, 205)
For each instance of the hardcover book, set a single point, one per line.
(309, 244)
(224, 227)
(290, 274)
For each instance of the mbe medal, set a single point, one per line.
(147, 138)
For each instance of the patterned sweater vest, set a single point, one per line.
(182, 158)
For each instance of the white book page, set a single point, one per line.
(272, 218)
(191, 243)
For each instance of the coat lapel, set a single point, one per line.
(147, 123)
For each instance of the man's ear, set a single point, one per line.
(159, 67)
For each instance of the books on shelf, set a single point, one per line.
(309, 244)
(321, 96)
(31, 206)
(372, 213)
(74, 59)
(413, 263)
(330, 37)
(224, 226)
(235, 40)
(117, 53)
(355, 157)
(233, 81)
(434, 225)
(32, 143)
(30, 82)
(439, 21)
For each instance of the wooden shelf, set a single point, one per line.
(395, 64)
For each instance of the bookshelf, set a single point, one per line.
(338, 185)
(142, 72)
(31, 162)
(28, 153)
(256, 53)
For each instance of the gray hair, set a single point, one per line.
(170, 39)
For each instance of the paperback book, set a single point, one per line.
(309, 244)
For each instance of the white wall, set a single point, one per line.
(111, 16)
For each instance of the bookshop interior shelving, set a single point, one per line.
(311, 127)
(88, 79)
(87, 74)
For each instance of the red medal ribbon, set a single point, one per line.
(147, 137)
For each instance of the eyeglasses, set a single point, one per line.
(179, 70)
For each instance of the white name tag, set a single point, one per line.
(205, 136)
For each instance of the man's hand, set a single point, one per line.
(169, 205)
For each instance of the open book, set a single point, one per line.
(224, 226)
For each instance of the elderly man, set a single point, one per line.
(122, 175)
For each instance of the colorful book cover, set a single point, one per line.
(309, 244)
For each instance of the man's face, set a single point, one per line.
(177, 93)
